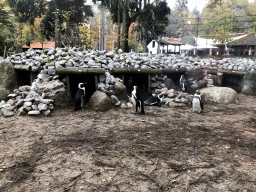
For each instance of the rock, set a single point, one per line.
(129, 105)
(170, 93)
(99, 101)
(61, 98)
(51, 106)
(34, 113)
(7, 113)
(21, 111)
(8, 79)
(181, 105)
(156, 84)
(4, 93)
(123, 105)
(249, 86)
(114, 100)
(46, 101)
(46, 112)
(25, 88)
(169, 83)
(42, 107)
(27, 104)
(217, 79)
(195, 74)
(220, 94)
(120, 91)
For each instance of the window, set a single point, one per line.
(154, 44)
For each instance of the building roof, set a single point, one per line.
(249, 39)
(170, 42)
(39, 45)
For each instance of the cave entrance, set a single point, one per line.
(74, 76)
(175, 77)
(25, 77)
(75, 79)
(135, 79)
(234, 81)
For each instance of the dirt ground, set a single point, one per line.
(167, 149)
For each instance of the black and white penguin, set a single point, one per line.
(154, 100)
(137, 101)
(80, 96)
(183, 83)
(197, 103)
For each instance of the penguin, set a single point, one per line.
(137, 101)
(197, 103)
(80, 96)
(183, 83)
(154, 100)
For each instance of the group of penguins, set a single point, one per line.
(139, 103)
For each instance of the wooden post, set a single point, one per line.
(68, 86)
(4, 51)
(149, 83)
(31, 77)
(96, 81)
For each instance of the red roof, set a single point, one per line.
(175, 42)
(39, 45)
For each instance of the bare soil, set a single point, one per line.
(167, 149)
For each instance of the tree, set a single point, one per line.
(7, 37)
(63, 17)
(178, 19)
(220, 18)
(27, 10)
(148, 15)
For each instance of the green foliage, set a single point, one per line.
(27, 10)
(6, 27)
(220, 18)
(69, 12)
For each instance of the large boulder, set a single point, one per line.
(120, 91)
(4, 93)
(249, 86)
(99, 101)
(220, 94)
(8, 81)
(169, 83)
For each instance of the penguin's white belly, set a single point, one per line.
(196, 105)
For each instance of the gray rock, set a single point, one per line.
(7, 113)
(120, 91)
(33, 113)
(99, 101)
(249, 85)
(155, 84)
(124, 105)
(220, 94)
(34, 107)
(46, 112)
(51, 106)
(42, 107)
(114, 100)
(21, 111)
(46, 101)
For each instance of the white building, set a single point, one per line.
(166, 46)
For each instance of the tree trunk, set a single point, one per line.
(158, 44)
(126, 26)
(57, 27)
(119, 25)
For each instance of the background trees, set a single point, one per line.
(63, 17)
(220, 18)
(126, 24)
(6, 28)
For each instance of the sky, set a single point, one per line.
(192, 4)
